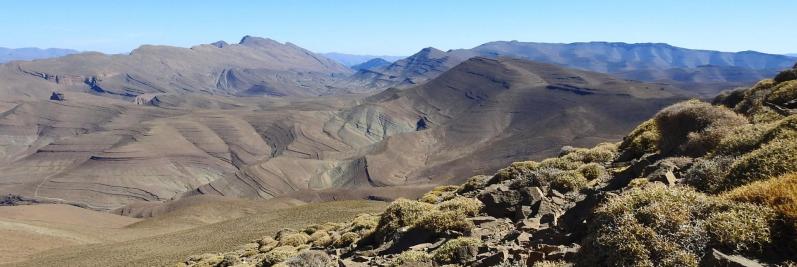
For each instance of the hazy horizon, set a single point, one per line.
(386, 28)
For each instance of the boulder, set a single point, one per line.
(500, 201)
(57, 96)
(494, 259)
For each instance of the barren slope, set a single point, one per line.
(255, 66)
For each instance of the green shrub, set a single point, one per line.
(566, 181)
(783, 92)
(754, 97)
(604, 152)
(559, 163)
(517, 170)
(447, 253)
(474, 183)
(401, 213)
(778, 193)
(592, 171)
(412, 256)
(772, 159)
(671, 226)
(786, 75)
(294, 240)
(439, 222)
(464, 205)
(310, 259)
(440, 193)
(730, 99)
(279, 254)
(364, 223)
(347, 239)
(709, 174)
(743, 139)
(745, 227)
(638, 182)
(643, 139)
(550, 264)
(229, 260)
(694, 128)
(320, 238)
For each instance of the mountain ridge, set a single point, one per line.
(32, 53)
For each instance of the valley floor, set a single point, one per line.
(51, 234)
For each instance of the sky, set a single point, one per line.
(398, 27)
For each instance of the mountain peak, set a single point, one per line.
(257, 41)
(219, 44)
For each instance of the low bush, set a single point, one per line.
(592, 171)
(347, 239)
(279, 254)
(745, 227)
(401, 213)
(310, 258)
(550, 264)
(320, 238)
(786, 75)
(773, 159)
(412, 256)
(567, 181)
(642, 140)
(693, 128)
(783, 92)
(730, 99)
(559, 163)
(364, 223)
(604, 152)
(743, 139)
(464, 205)
(778, 193)
(474, 183)
(709, 174)
(295, 239)
(673, 227)
(447, 253)
(439, 194)
(439, 223)
(516, 170)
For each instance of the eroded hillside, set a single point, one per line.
(698, 184)
(104, 153)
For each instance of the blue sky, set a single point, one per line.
(398, 27)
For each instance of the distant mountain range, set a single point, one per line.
(351, 60)
(254, 66)
(371, 64)
(30, 53)
(643, 61)
(792, 55)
